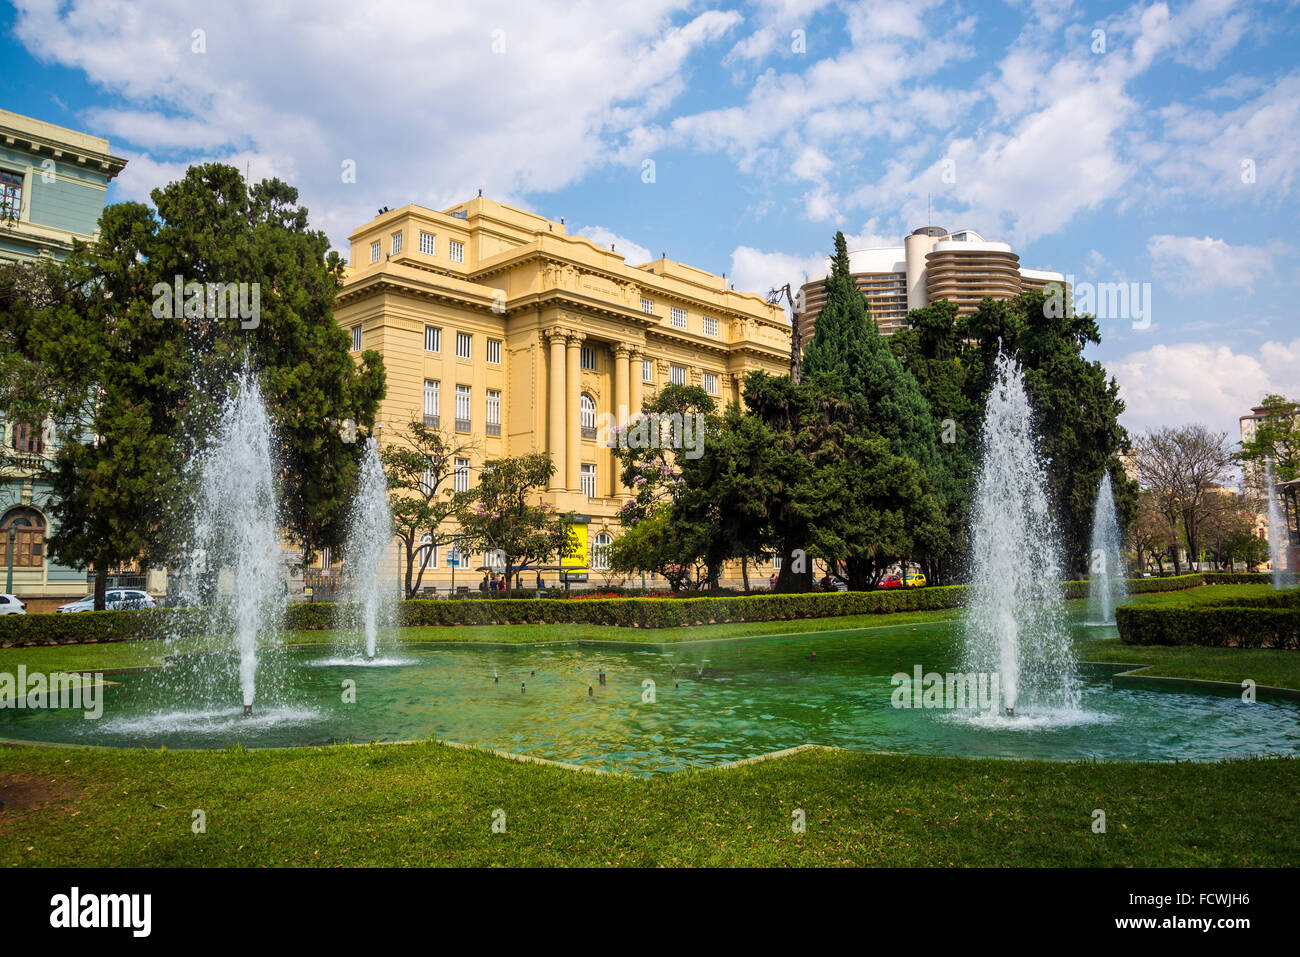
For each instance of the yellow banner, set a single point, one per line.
(575, 559)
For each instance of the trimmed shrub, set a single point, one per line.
(1212, 626)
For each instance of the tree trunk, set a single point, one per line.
(101, 585)
(744, 571)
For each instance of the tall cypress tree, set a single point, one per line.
(838, 337)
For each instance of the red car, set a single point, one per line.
(891, 581)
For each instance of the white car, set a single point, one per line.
(10, 605)
(117, 599)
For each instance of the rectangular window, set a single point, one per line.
(460, 478)
(589, 480)
(710, 383)
(26, 437)
(587, 357)
(678, 317)
(432, 339)
(494, 351)
(677, 375)
(11, 194)
(462, 345)
(493, 412)
(374, 251)
(456, 251)
(356, 338)
(710, 326)
(426, 482)
(431, 395)
(647, 370)
(462, 408)
(428, 244)
(647, 306)
(397, 243)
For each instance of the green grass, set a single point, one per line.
(429, 804)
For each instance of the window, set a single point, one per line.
(647, 305)
(426, 482)
(432, 387)
(588, 412)
(710, 325)
(356, 338)
(710, 383)
(463, 340)
(493, 412)
(11, 194)
(678, 317)
(456, 251)
(26, 437)
(325, 561)
(462, 408)
(600, 550)
(587, 358)
(460, 477)
(589, 480)
(397, 243)
(428, 244)
(776, 562)
(494, 351)
(28, 526)
(677, 375)
(374, 251)
(432, 339)
(647, 370)
(427, 553)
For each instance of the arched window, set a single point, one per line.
(588, 405)
(28, 529)
(600, 550)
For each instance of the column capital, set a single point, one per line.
(575, 337)
(555, 333)
(622, 350)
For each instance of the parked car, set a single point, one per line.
(119, 599)
(891, 581)
(915, 580)
(10, 605)
(834, 583)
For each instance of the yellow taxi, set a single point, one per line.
(915, 580)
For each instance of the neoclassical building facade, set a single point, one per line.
(501, 328)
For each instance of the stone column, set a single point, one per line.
(635, 398)
(573, 390)
(555, 425)
(622, 400)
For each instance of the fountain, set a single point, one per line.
(1106, 581)
(1277, 533)
(370, 535)
(1015, 626)
(236, 547)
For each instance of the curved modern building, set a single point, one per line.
(932, 264)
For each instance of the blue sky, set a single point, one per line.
(1102, 140)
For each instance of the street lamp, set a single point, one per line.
(13, 531)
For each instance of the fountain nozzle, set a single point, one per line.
(248, 711)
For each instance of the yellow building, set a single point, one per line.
(498, 326)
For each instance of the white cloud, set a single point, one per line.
(753, 270)
(633, 253)
(1202, 382)
(429, 101)
(1199, 264)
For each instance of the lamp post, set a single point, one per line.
(13, 532)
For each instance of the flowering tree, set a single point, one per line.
(502, 514)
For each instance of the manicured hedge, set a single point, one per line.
(621, 612)
(1214, 626)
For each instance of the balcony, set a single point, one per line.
(494, 428)
(462, 425)
(432, 421)
(588, 431)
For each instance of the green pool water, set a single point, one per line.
(712, 703)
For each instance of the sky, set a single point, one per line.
(1151, 144)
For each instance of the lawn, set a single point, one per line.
(429, 804)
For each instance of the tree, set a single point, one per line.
(502, 514)
(837, 346)
(1076, 407)
(1185, 469)
(146, 343)
(1151, 535)
(1276, 443)
(420, 464)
